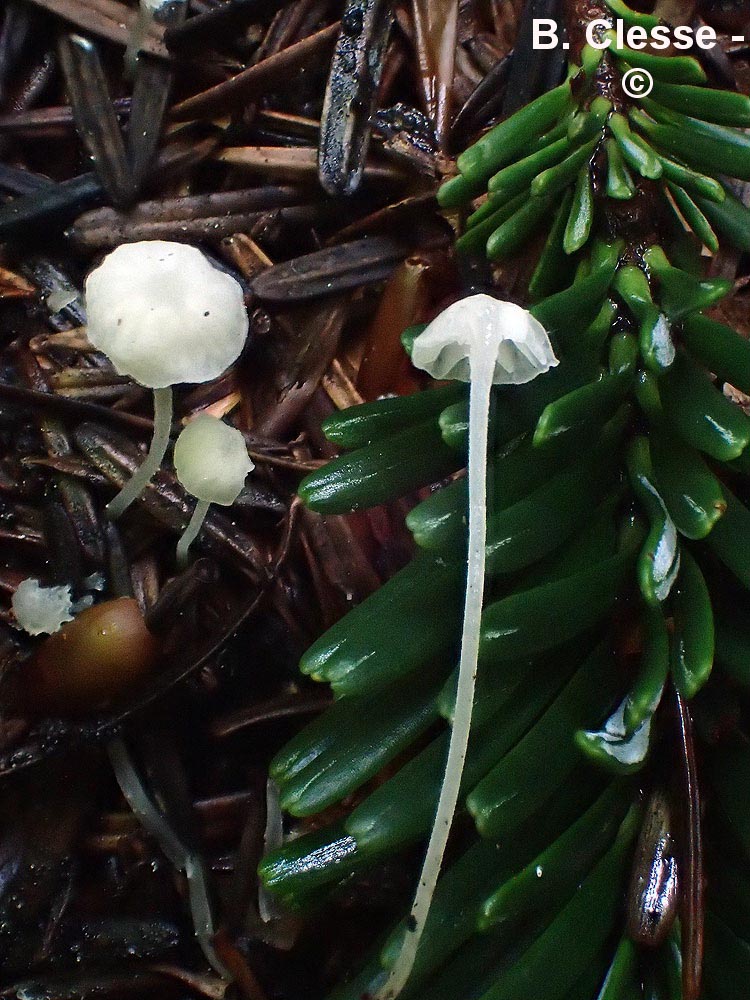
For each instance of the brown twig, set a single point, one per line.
(253, 81)
(107, 18)
(63, 405)
(295, 162)
(693, 906)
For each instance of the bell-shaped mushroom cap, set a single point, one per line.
(162, 313)
(211, 460)
(482, 326)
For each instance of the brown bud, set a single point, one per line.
(90, 662)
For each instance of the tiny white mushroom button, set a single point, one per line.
(485, 342)
(211, 460)
(41, 610)
(212, 463)
(163, 314)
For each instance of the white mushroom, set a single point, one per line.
(162, 313)
(41, 610)
(211, 462)
(482, 341)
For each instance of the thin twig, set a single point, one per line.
(63, 405)
(253, 81)
(108, 18)
(693, 911)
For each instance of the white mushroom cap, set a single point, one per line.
(162, 313)
(211, 460)
(484, 326)
(41, 609)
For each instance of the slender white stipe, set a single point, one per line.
(152, 463)
(483, 341)
(191, 532)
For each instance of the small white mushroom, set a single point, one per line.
(162, 313)
(211, 462)
(41, 610)
(485, 342)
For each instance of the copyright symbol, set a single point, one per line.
(637, 83)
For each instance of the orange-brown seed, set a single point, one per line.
(90, 662)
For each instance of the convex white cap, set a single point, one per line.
(484, 328)
(211, 460)
(162, 313)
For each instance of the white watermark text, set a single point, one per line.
(599, 36)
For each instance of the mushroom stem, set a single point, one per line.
(156, 452)
(191, 532)
(481, 366)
